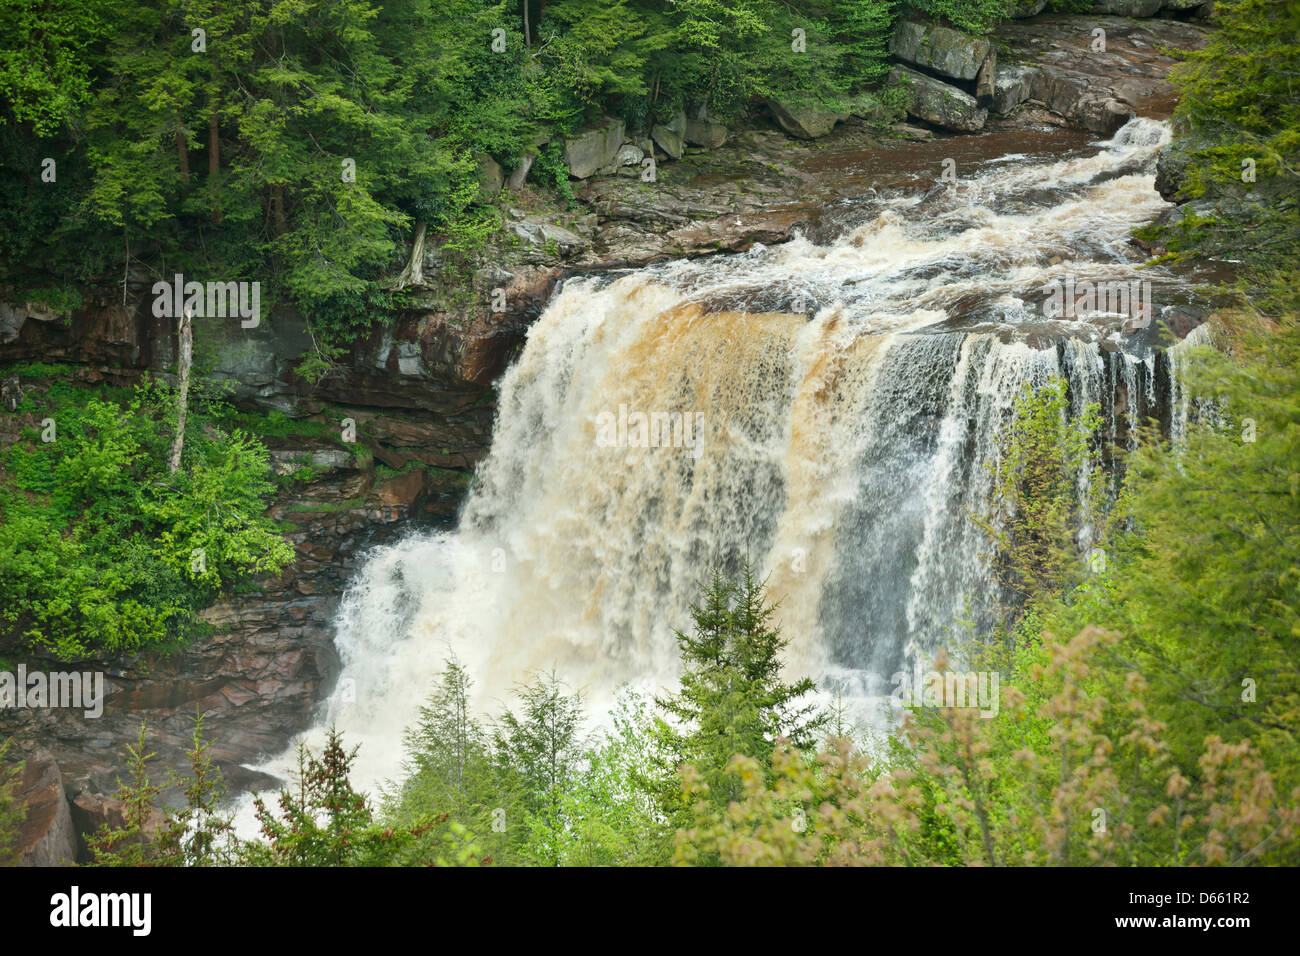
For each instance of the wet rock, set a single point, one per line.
(1048, 64)
(588, 152)
(669, 140)
(941, 49)
(984, 82)
(804, 121)
(1171, 171)
(866, 106)
(1011, 86)
(938, 103)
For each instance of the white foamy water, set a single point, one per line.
(851, 397)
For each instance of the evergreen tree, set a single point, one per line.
(732, 698)
(538, 756)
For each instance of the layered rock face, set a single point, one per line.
(1092, 73)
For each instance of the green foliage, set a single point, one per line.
(538, 755)
(101, 550)
(200, 833)
(1238, 120)
(732, 698)
(12, 812)
(1038, 504)
(304, 142)
(973, 16)
(129, 844)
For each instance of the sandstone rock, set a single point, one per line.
(522, 168)
(46, 837)
(941, 49)
(629, 155)
(1011, 86)
(938, 103)
(804, 121)
(490, 178)
(540, 235)
(915, 133)
(1128, 8)
(1171, 171)
(984, 85)
(706, 133)
(588, 152)
(1087, 89)
(669, 140)
(866, 107)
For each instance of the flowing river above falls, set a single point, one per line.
(827, 409)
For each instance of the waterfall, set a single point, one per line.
(830, 412)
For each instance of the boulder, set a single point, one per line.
(490, 177)
(629, 155)
(1128, 8)
(1171, 172)
(669, 140)
(1024, 9)
(941, 49)
(522, 168)
(706, 133)
(1011, 86)
(805, 122)
(540, 235)
(984, 88)
(590, 151)
(938, 103)
(866, 107)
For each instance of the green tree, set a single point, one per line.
(12, 811)
(1036, 505)
(732, 698)
(538, 755)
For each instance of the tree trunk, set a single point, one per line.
(214, 160)
(185, 348)
(277, 200)
(528, 42)
(413, 274)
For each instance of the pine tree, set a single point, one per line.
(538, 754)
(732, 698)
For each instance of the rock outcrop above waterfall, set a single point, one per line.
(1090, 73)
(1054, 69)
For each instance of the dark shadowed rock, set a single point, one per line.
(1128, 8)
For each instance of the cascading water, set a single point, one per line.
(829, 412)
